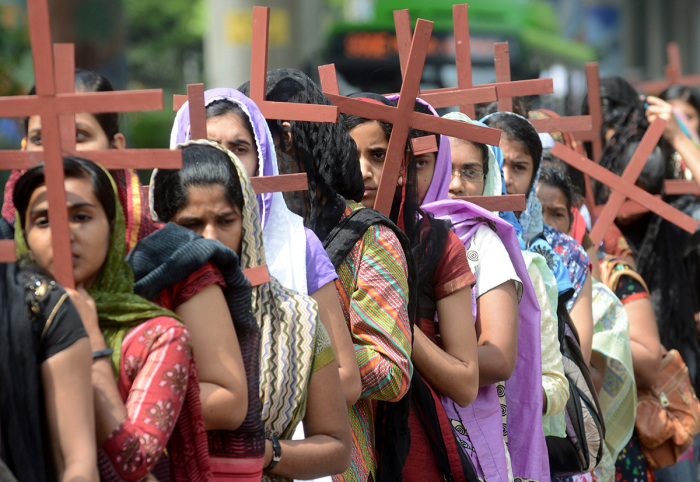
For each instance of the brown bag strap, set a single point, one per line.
(611, 277)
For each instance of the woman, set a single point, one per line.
(522, 151)
(212, 195)
(444, 346)
(481, 159)
(143, 374)
(45, 374)
(506, 343)
(612, 331)
(374, 266)
(666, 256)
(234, 121)
(683, 135)
(226, 384)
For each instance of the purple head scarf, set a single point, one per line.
(526, 443)
(283, 231)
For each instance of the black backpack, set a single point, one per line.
(582, 448)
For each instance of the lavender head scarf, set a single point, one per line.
(527, 447)
(283, 231)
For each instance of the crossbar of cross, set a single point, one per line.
(198, 130)
(673, 71)
(403, 116)
(465, 95)
(623, 187)
(55, 107)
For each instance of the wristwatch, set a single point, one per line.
(276, 450)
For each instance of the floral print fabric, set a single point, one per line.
(156, 367)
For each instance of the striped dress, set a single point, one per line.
(373, 290)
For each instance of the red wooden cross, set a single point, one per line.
(674, 73)
(403, 116)
(52, 105)
(585, 127)
(623, 187)
(466, 95)
(198, 130)
(258, 81)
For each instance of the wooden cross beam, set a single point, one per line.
(674, 73)
(466, 95)
(584, 127)
(403, 116)
(623, 187)
(198, 130)
(280, 183)
(676, 187)
(53, 106)
(258, 81)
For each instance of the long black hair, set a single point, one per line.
(325, 151)
(202, 166)
(73, 167)
(667, 258)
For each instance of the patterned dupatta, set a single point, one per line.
(287, 322)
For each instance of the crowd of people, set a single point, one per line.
(437, 343)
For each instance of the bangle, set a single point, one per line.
(102, 353)
(276, 450)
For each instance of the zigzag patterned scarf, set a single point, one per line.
(287, 322)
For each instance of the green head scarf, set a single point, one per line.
(118, 308)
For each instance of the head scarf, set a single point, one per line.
(118, 308)
(283, 231)
(131, 194)
(288, 323)
(325, 151)
(493, 178)
(523, 390)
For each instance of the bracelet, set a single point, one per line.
(276, 450)
(102, 353)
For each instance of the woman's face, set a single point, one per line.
(518, 168)
(466, 157)
(89, 135)
(689, 111)
(230, 131)
(90, 230)
(371, 149)
(554, 210)
(210, 214)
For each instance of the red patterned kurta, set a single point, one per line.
(158, 383)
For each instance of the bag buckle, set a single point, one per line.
(664, 400)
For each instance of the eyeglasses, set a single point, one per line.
(468, 174)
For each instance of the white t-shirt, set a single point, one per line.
(490, 263)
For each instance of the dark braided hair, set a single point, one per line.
(325, 151)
